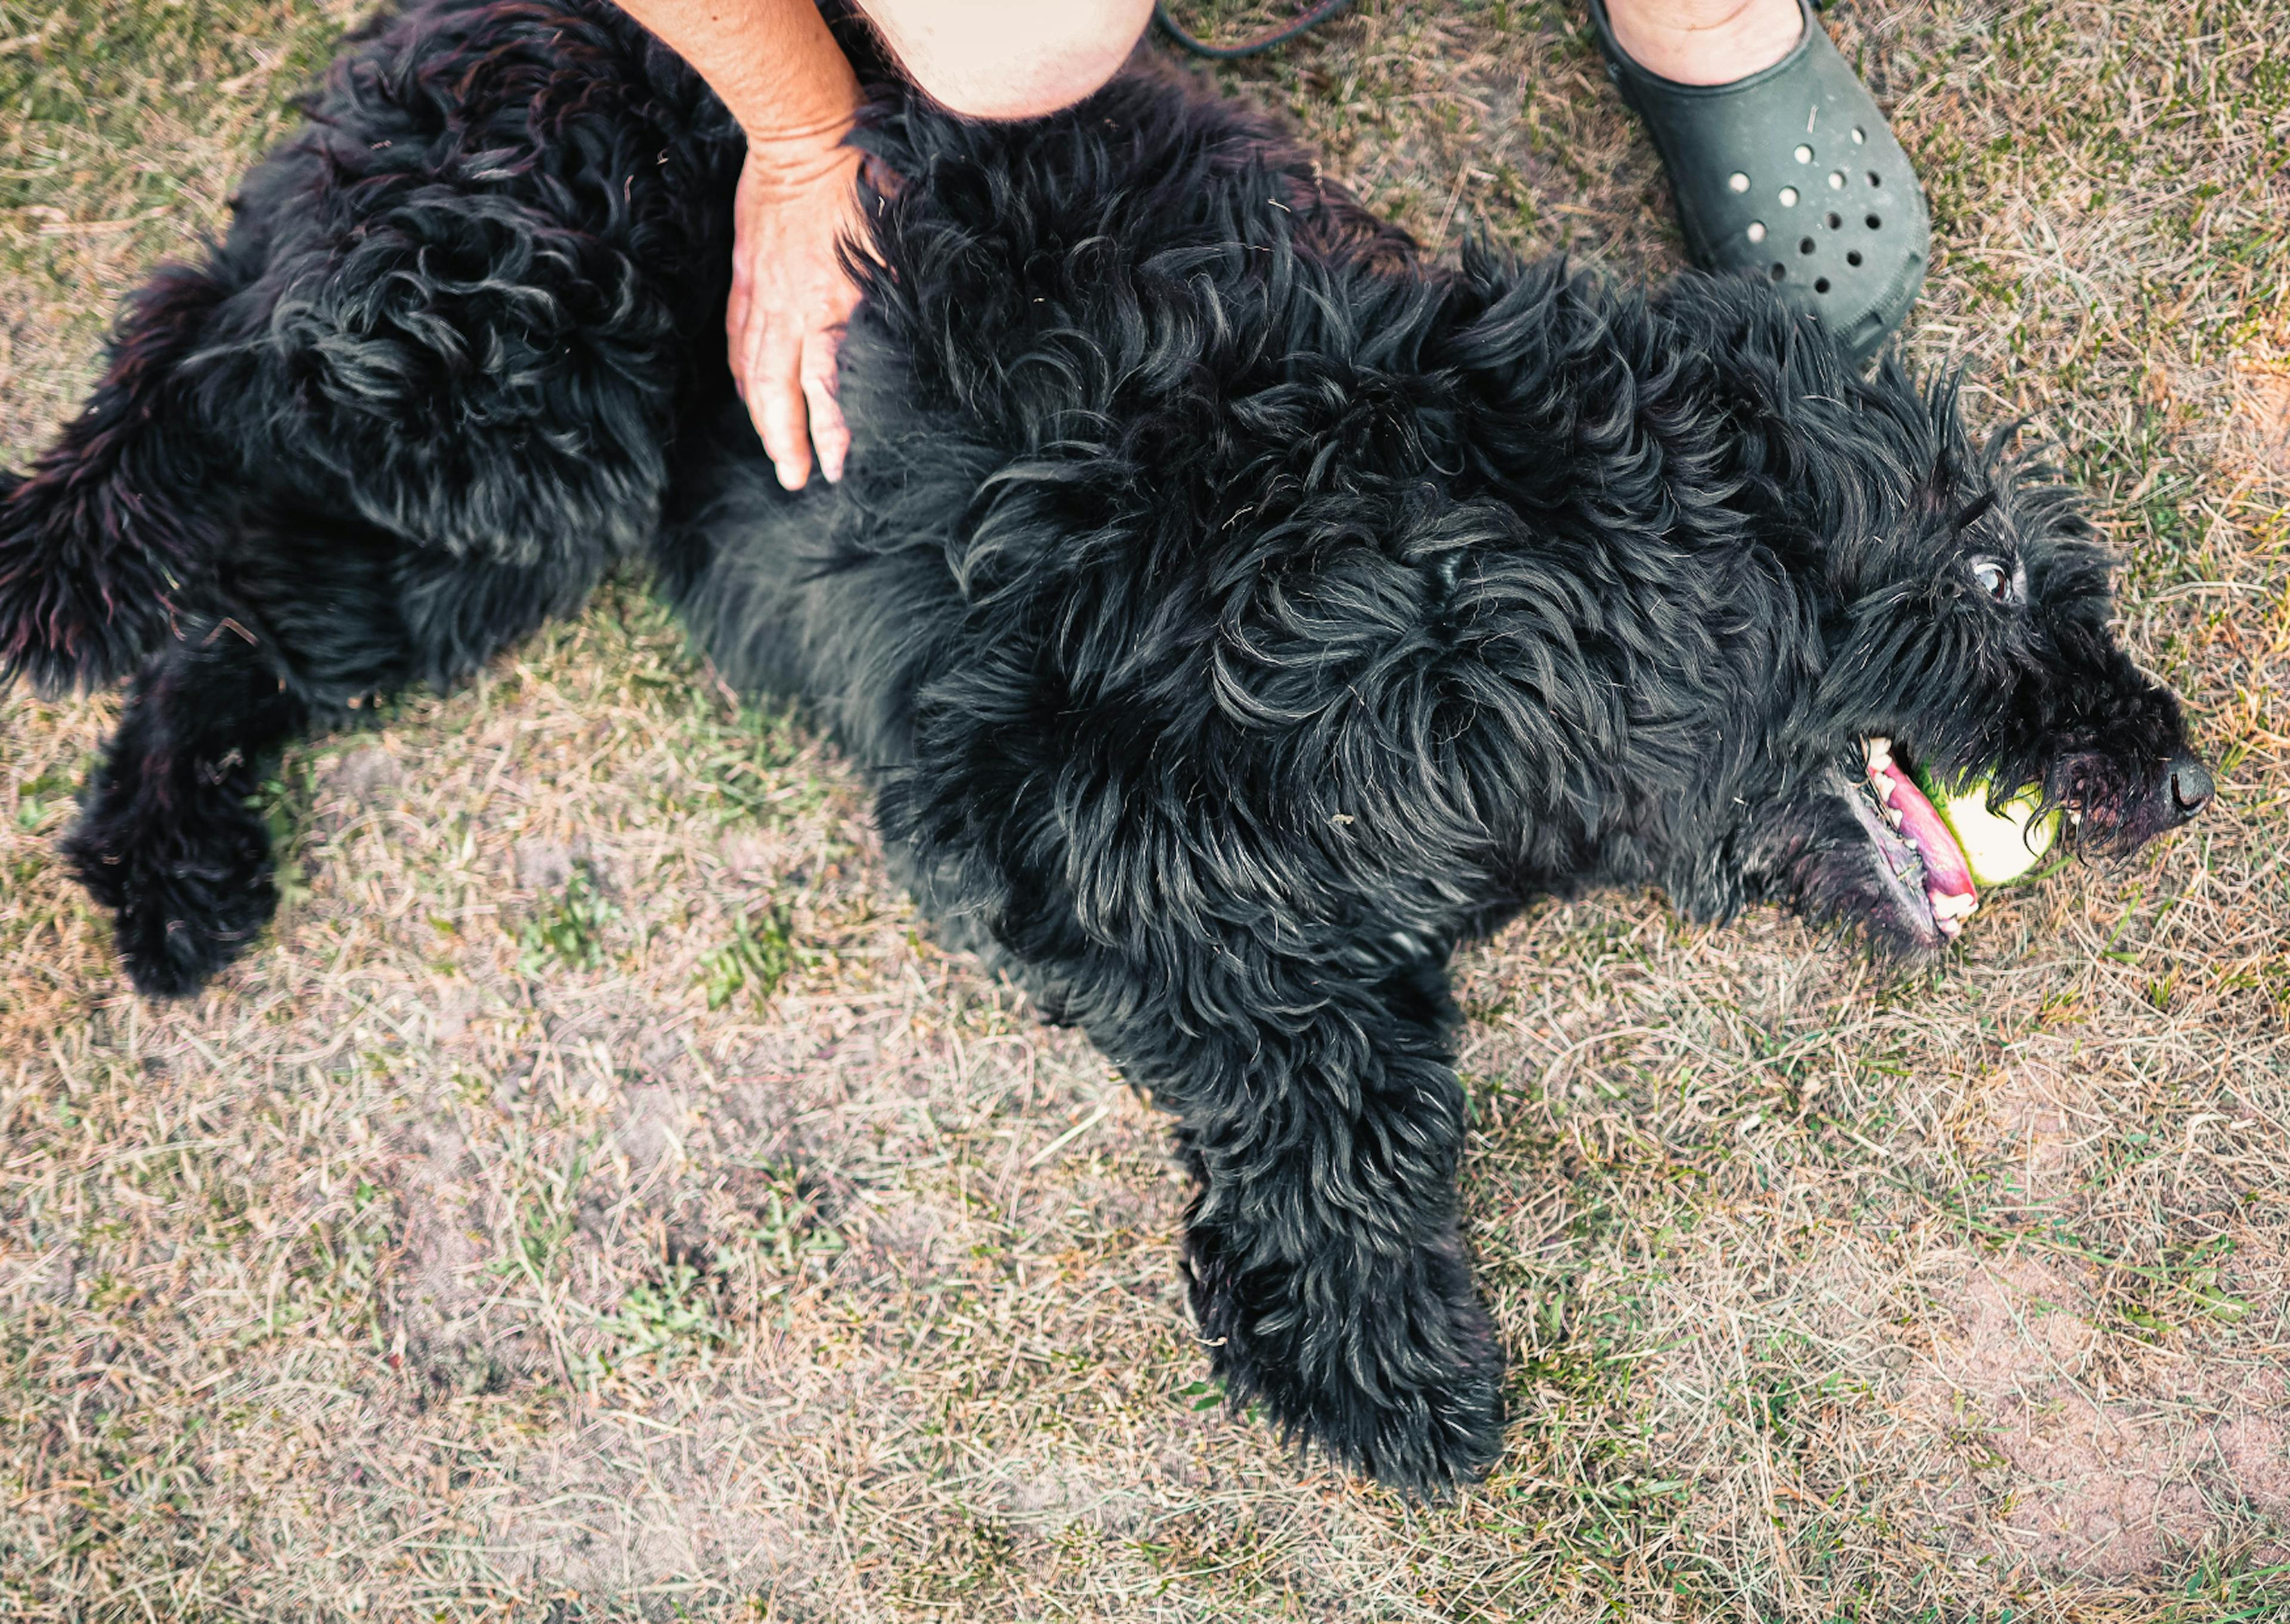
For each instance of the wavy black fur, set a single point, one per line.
(1234, 609)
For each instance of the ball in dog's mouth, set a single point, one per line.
(1959, 844)
(2000, 847)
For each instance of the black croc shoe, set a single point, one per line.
(1792, 173)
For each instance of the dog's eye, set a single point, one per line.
(1995, 578)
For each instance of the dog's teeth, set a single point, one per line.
(1953, 907)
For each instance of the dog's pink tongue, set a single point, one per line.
(1945, 871)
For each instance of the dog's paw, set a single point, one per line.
(189, 892)
(1398, 1375)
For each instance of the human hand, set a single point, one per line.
(790, 296)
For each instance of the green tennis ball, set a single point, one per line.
(1999, 847)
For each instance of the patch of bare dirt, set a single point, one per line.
(2083, 1450)
(439, 1287)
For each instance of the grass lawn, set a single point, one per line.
(597, 1200)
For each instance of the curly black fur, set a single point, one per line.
(1234, 609)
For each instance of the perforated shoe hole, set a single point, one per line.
(1788, 198)
(1836, 180)
(1804, 154)
(1780, 271)
(1875, 179)
(1835, 219)
(1852, 257)
(1875, 222)
(1756, 231)
(1858, 135)
(1821, 285)
(1804, 245)
(1737, 182)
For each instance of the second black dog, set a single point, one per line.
(1234, 610)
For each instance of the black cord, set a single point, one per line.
(1312, 18)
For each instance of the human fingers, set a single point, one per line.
(738, 310)
(737, 314)
(775, 398)
(829, 434)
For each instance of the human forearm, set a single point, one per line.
(774, 63)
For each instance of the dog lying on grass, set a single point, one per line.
(1233, 609)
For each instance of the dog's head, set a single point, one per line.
(1964, 629)
(1848, 593)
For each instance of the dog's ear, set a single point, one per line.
(1837, 466)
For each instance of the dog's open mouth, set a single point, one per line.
(1920, 857)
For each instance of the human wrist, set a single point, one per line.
(788, 165)
(801, 147)
(811, 112)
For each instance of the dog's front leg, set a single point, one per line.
(1327, 1269)
(167, 838)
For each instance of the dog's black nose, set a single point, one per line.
(2188, 784)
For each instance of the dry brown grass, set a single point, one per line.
(397, 1279)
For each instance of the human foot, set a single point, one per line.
(1706, 42)
(1787, 171)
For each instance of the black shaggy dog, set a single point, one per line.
(1233, 609)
